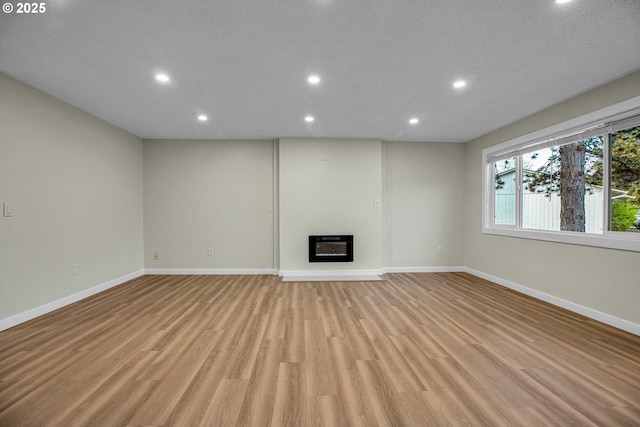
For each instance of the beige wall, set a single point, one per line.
(219, 194)
(424, 204)
(75, 183)
(604, 280)
(332, 196)
(208, 194)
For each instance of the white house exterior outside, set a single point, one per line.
(541, 211)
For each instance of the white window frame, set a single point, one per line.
(608, 239)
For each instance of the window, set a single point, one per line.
(505, 191)
(625, 179)
(562, 187)
(576, 182)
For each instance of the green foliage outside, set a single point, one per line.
(625, 161)
(623, 215)
(625, 175)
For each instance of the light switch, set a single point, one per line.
(8, 209)
(376, 204)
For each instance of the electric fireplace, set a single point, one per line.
(331, 248)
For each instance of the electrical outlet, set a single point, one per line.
(8, 210)
(156, 256)
(210, 252)
(74, 269)
(439, 250)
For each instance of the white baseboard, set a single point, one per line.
(14, 320)
(571, 306)
(616, 322)
(449, 269)
(211, 271)
(307, 273)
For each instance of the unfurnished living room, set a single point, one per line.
(320, 212)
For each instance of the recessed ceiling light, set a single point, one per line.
(459, 84)
(309, 119)
(203, 117)
(414, 121)
(562, 1)
(161, 77)
(313, 79)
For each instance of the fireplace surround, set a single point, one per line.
(331, 248)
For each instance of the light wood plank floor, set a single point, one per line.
(433, 349)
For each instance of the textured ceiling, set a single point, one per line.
(244, 63)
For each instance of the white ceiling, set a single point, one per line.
(244, 63)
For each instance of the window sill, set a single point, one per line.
(612, 240)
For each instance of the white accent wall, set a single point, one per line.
(75, 185)
(330, 187)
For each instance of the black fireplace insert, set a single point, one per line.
(331, 248)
